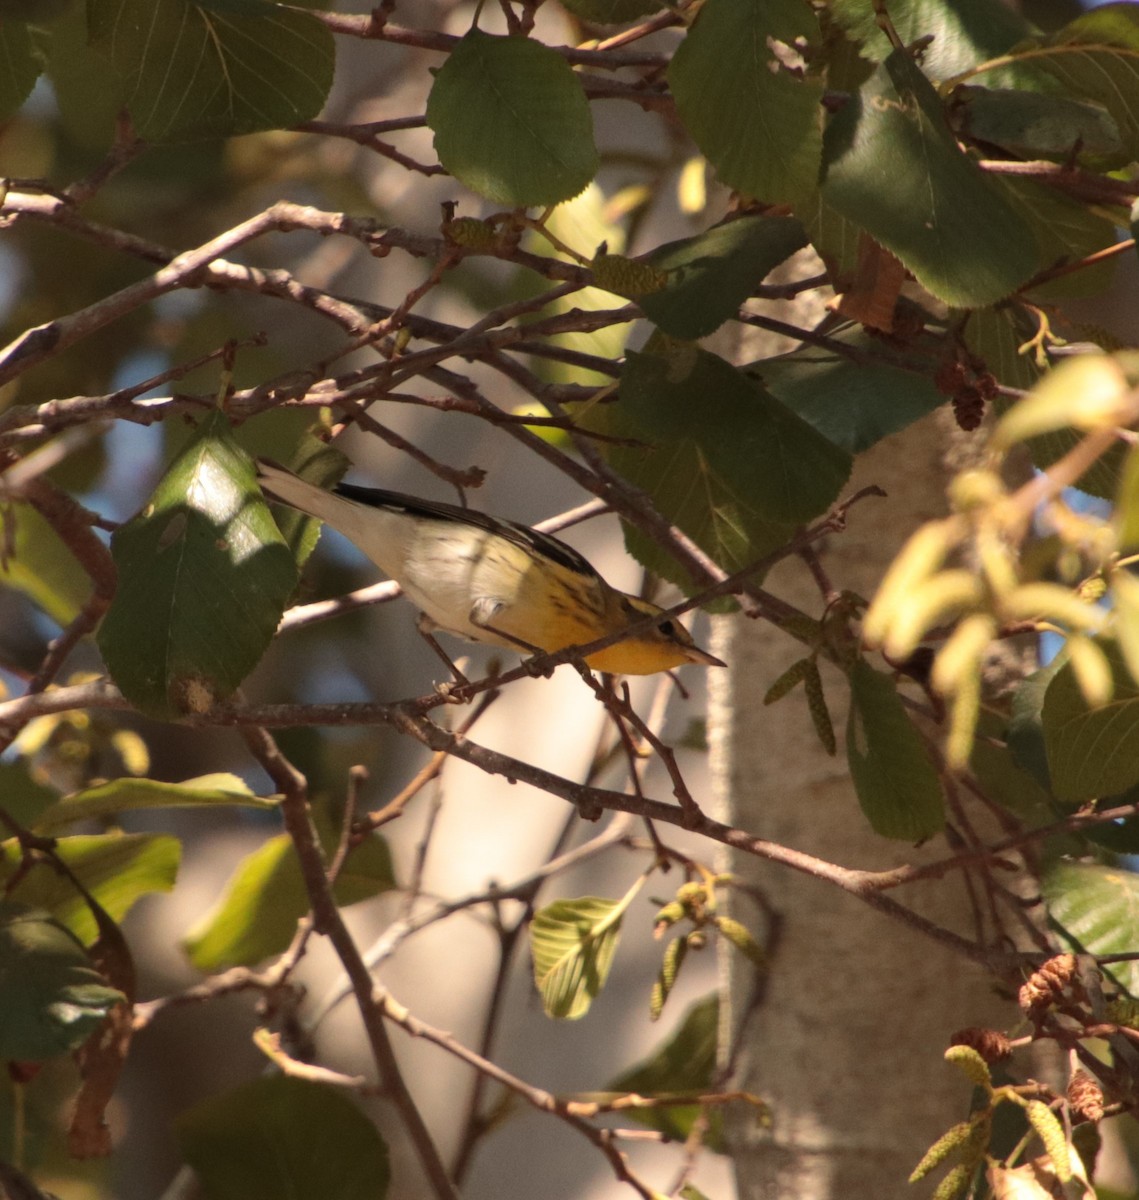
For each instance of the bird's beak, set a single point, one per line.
(695, 655)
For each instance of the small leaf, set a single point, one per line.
(54, 999)
(128, 795)
(683, 1064)
(213, 68)
(511, 121)
(279, 1137)
(573, 943)
(752, 110)
(116, 868)
(969, 252)
(897, 785)
(204, 576)
(708, 277)
(1095, 908)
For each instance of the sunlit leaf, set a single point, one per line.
(1095, 908)
(572, 943)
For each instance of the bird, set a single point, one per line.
(490, 580)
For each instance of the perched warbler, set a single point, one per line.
(489, 580)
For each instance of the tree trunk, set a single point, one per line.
(845, 1038)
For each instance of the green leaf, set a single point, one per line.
(712, 274)
(684, 1063)
(1092, 752)
(965, 32)
(511, 121)
(116, 868)
(1096, 57)
(752, 111)
(995, 335)
(572, 943)
(850, 401)
(316, 462)
(279, 1137)
(128, 795)
(54, 999)
(721, 457)
(212, 69)
(946, 221)
(897, 785)
(39, 564)
(1096, 909)
(1066, 231)
(1035, 125)
(257, 914)
(1004, 780)
(25, 798)
(612, 12)
(23, 62)
(204, 576)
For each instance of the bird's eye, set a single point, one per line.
(667, 628)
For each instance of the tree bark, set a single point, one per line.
(844, 1038)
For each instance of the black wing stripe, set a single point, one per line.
(520, 535)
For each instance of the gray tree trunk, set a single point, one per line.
(845, 1040)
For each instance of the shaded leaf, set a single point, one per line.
(709, 276)
(511, 121)
(572, 943)
(946, 221)
(23, 62)
(1096, 909)
(897, 785)
(208, 69)
(204, 576)
(850, 402)
(611, 12)
(754, 114)
(723, 459)
(279, 1137)
(1096, 56)
(53, 997)
(684, 1063)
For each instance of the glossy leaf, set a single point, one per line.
(128, 795)
(116, 868)
(54, 999)
(709, 276)
(511, 121)
(946, 221)
(897, 785)
(23, 63)
(573, 943)
(1092, 752)
(204, 576)
(684, 1063)
(277, 1137)
(748, 105)
(257, 914)
(1095, 909)
(213, 68)
(721, 457)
